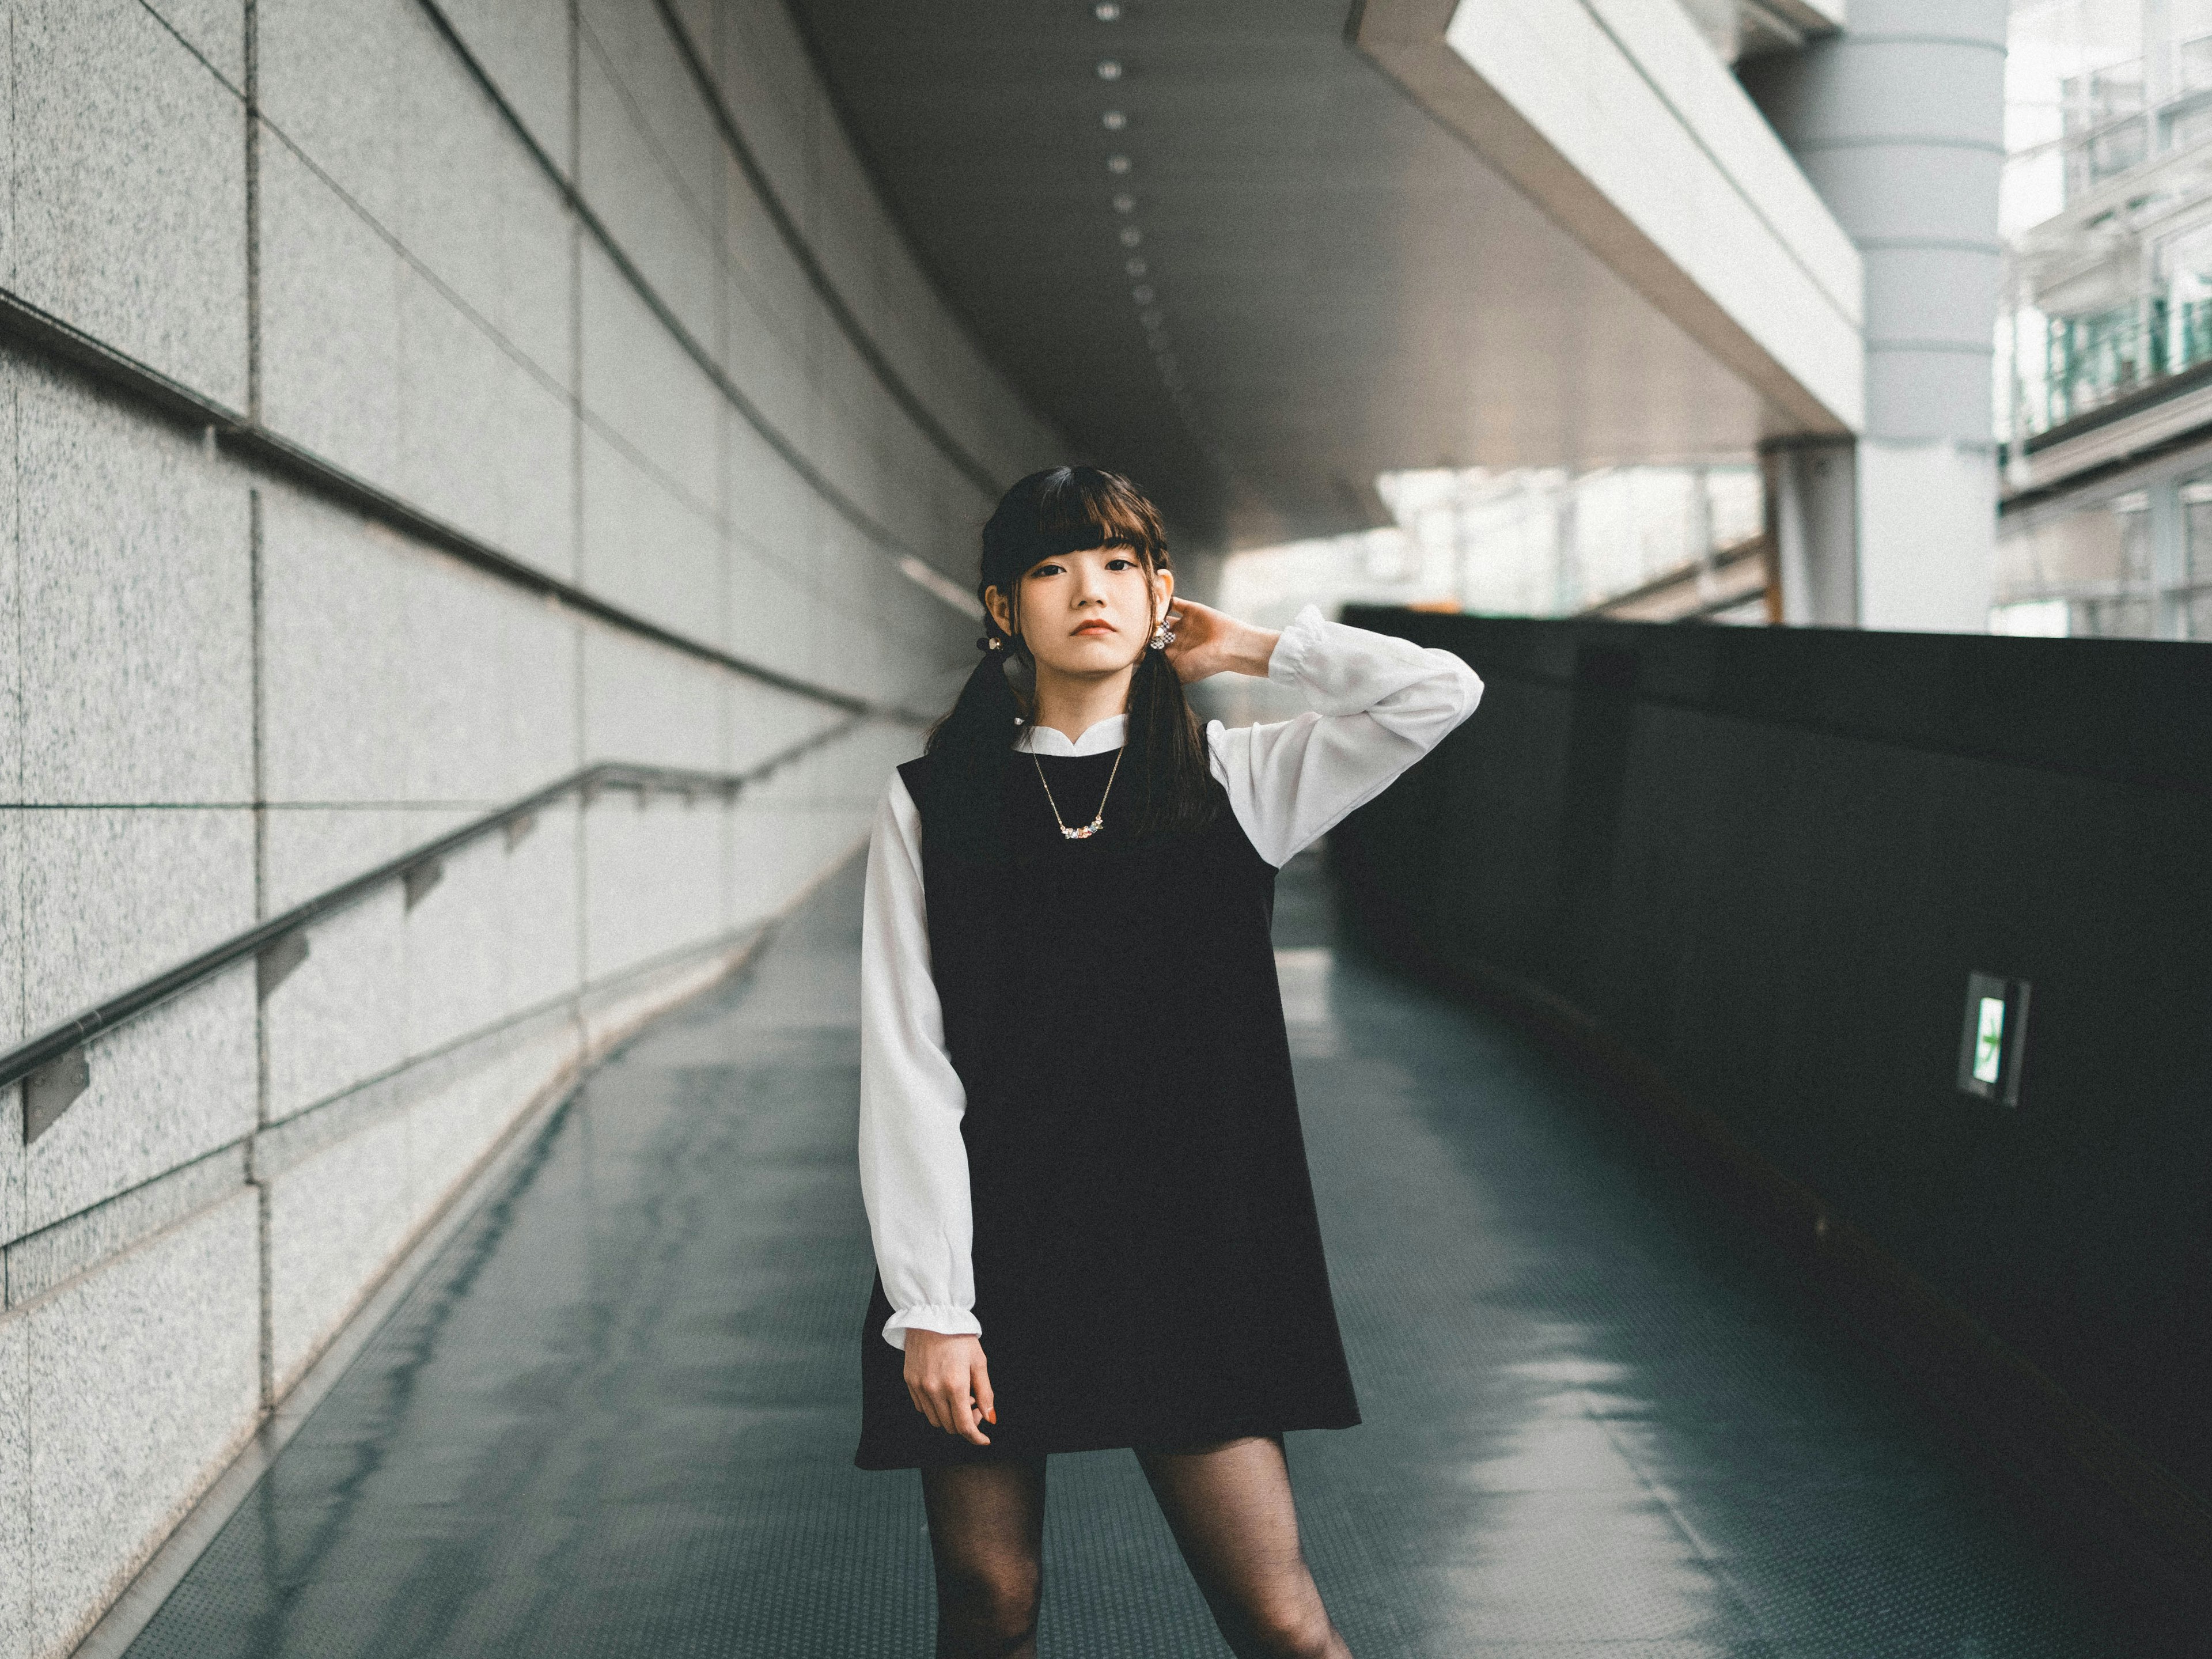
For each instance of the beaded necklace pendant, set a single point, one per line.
(1098, 820)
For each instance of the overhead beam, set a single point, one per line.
(1616, 119)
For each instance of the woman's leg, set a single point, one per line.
(1231, 1508)
(987, 1537)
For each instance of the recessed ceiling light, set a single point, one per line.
(1143, 295)
(1130, 236)
(1125, 203)
(1117, 164)
(1136, 267)
(1108, 70)
(1152, 319)
(1113, 120)
(1105, 11)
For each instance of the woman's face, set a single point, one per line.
(1089, 613)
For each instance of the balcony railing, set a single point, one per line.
(2089, 362)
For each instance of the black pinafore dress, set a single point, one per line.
(1147, 1261)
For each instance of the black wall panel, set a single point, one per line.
(1767, 861)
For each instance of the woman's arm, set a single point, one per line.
(914, 1164)
(1379, 704)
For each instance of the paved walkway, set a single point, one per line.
(615, 1417)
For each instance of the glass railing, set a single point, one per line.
(2091, 362)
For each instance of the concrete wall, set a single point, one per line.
(546, 392)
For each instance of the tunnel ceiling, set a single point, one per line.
(1343, 287)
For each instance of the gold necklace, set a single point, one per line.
(1098, 820)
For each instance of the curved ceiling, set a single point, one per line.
(1277, 277)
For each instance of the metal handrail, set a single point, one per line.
(248, 438)
(278, 943)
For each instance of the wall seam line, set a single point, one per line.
(847, 508)
(265, 1262)
(12, 1123)
(131, 1609)
(810, 264)
(247, 1144)
(281, 456)
(581, 890)
(484, 324)
(881, 535)
(179, 36)
(772, 320)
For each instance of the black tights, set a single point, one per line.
(1229, 1506)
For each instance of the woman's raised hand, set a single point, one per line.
(1209, 641)
(950, 1383)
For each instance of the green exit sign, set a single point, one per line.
(1989, 1041)
(1993, 1044)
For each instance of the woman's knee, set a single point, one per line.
(995, 1606)
(1292, 1630)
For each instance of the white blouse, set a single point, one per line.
(1379, 704)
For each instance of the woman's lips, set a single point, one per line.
(1096, 627)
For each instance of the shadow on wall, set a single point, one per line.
(1753, 874)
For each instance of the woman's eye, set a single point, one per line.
(1121, 564)
(1046, 570)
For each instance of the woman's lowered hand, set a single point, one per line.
(1209, 641)
(950, 1383)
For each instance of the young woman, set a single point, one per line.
(1078, 1141)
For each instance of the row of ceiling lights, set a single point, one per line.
(1131, 234)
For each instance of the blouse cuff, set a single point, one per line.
(1341, 669)
(1287, 665)
(943, 1317)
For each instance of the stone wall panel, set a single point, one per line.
(200, 728)
(134, 606)
(129, 189)
(167, 1087)
(142, 1379)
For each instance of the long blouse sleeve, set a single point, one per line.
(1379, 704)
(914, 1164)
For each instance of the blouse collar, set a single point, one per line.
(1097, 740)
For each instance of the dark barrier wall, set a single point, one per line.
(1766, 862)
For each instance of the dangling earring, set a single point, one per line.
(1163, 637)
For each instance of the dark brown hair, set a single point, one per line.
(1170, 787)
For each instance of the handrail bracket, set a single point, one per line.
(53, 1090)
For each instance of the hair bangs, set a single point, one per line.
(1075, 496)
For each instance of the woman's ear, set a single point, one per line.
(995, 603)
(1163, 592)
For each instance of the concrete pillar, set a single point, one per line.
(2169, 559)
(1812, 522)
(1566, 540)
(1898, 123)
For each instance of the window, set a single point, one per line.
(2136, 565)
